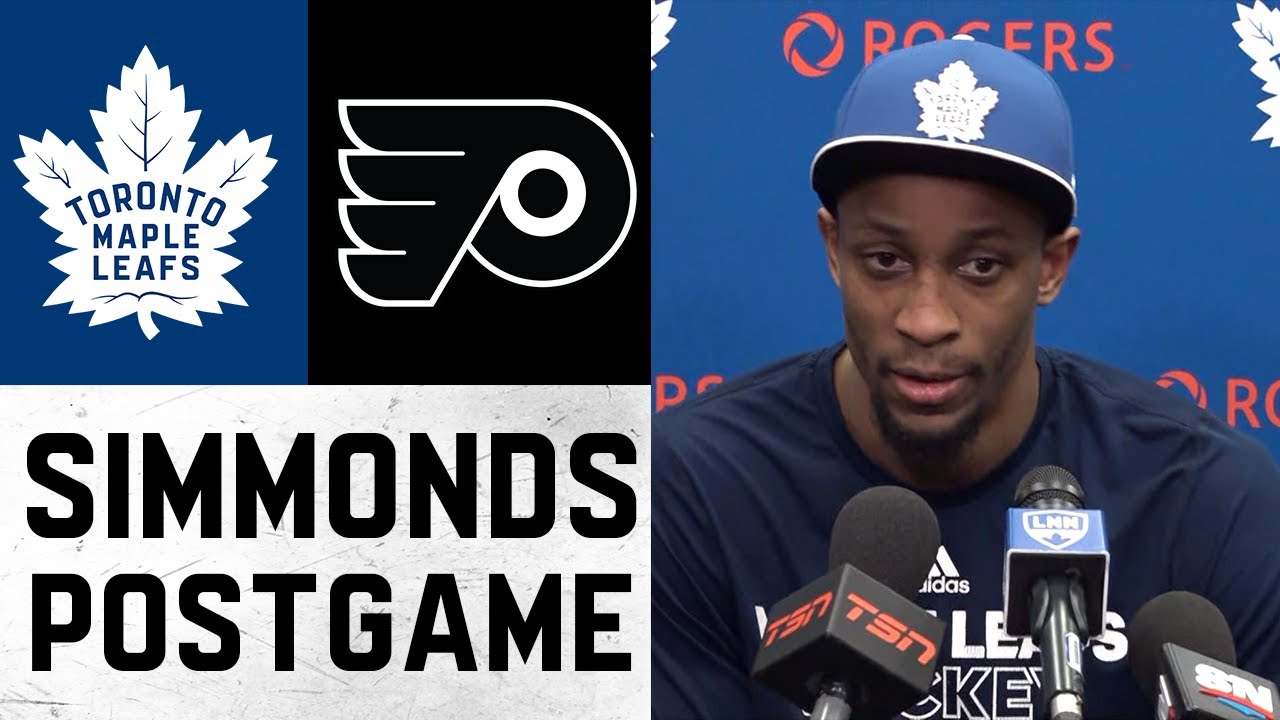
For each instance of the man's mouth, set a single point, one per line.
(927, 388)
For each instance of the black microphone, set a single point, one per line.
(850, 641)
(1183, 656)
(1055, 581)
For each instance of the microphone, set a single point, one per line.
(1182, 654)
(1055, 581)
(850, 641)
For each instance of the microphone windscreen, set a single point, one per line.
(1184, 619)
(1048, 482)
(889, 533)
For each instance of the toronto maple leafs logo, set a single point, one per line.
(145, 233)
(1258, 28)
(660, 24)
(954, 107)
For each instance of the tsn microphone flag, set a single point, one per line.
(1042, 542)
(847, 627)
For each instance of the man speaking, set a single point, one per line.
(947, 201)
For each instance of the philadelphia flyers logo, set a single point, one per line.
(541, 193)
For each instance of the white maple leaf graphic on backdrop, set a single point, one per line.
(145, 138)
(660, 25)
(1259, 28)
(954, 107)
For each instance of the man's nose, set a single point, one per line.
(927, 318)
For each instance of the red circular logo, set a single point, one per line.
(798, 26)
(1188, 381)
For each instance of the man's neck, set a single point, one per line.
(998, 436)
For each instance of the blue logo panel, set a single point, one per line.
(1074, 531)
(156, 205)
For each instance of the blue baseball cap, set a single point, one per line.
(955, 107)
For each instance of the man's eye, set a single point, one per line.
(981, 267)
(883, 260)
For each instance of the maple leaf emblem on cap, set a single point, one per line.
(954, 106)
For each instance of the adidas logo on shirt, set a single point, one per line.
(943, 577)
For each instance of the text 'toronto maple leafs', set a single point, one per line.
(145, 231)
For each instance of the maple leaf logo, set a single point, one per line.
(1258, 28)
(660, 25)
(145, 232)
(954, 107)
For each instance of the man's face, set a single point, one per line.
(940, 279)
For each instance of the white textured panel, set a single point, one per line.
(82, 685)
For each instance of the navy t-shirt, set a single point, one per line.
(750, 475)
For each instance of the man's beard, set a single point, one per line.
(934, 457)
(927, 454)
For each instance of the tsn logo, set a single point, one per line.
(798, 618)
(890, 629)
(1239, 693)
(880, 624)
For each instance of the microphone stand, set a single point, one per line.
(1057, 613)
(833, 704)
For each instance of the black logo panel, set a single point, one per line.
(479, 196)
(541, 193)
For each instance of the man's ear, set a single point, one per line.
(830, 239)
(1055, 259)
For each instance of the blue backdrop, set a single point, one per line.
(1178, 262)
(243, 65)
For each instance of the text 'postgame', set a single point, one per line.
(141, 496)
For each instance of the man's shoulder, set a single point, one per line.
(1103, 384)
(770, 386)
(1150, 414)
(753, 411)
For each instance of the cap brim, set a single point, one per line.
(843, 163)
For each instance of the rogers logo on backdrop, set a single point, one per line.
(1188, 381)
(834, 35)
(1248, 402)
(1054, 44)
(1243, 398)
(671, 390)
